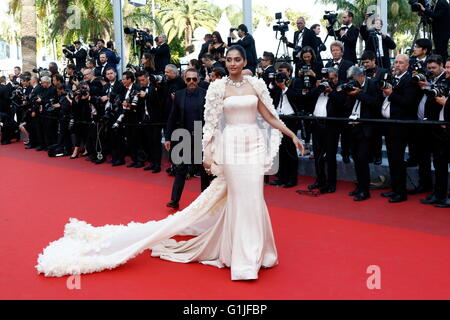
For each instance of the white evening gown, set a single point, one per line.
(230, 218)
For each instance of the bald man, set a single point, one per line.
(400, 98)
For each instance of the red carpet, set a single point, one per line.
(325, 244)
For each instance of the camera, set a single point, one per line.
(78, 75)
(349, 86)
(438, 90)
(281, 26)
(415, 4)
(39, 70)
(91, 45)
(331, 17)
(156, 78)
(324, 85)
(306, 78)
(133, 68)
(388, 81)
(280, 77)
(68, 49)
(419, 72)
(142, 36)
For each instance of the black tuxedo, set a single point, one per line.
(440, 15)
(5, 101)
(349, 39)
(360, 134)
(100, 71)
(402, 101)
(268, 75)
(288, 168)
(248, 43)
(204, 49)
(162, 57)
(177, 119)
(309, 39)
(343, 66)
(372, 44)
(79, 58)
(325, 135)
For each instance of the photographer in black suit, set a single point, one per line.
(286, 102)
(400, 94)
(161, 52)
(78, 56)
(348, 35)
(362, 102)
(248, 43)
(320, 46)
(342, 65)
(326, 102)
(267, 70)
(430, 109)
(439, 12)
(188, 107)
(376, 73)
(377, 42)
(302, 37)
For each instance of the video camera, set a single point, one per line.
(142, 36)
(281, 26)
(332, 18)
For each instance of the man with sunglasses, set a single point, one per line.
(187, 108)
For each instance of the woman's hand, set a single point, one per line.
(299, 145)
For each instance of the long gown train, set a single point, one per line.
(230, 218)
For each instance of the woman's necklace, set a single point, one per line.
(237, 84)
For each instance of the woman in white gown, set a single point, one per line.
(240, 142)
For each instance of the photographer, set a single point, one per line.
(326, 101)
(302, 37)
(132, 111)
(114, 142)
(161, 53)
(377, 42)
(267, 70)
(320, 46)
(363, 98)
(47, 121)
(64, 105)
(439, 12)
(286, 102)
(376, 73)
(94, 52)
(338, 62)
(248, 43)
(153, 103)
(100, 70)
(78, 55)
(430, 109)
(442, 142)
(400, 94)
(348, 35)
(421, 52)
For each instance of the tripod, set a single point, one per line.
(135, 58)
(281, 43)
(374, 38)
(426, 28)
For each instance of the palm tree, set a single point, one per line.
(181, 20)
(28, 33)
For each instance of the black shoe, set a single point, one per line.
(388, 194)
(275, 183)
(420, 189)
(328, 189)
(89, 159)
(74, 157)
(150, 167)
(172, 204)
(99, 161)
(289, 185)
(432, 200)
(139, 165)
(156, 170)
(354, 192)
(398, 198)
(377, 161)
(346, 159)
(132, 165)
(314, 186)
(39, 148)
(443, 204)
(118, 163)
(362, 196)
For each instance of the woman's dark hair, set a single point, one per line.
(238, 48)
(310, 50)
(196, 64)
(218, 36)
(150, 63)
